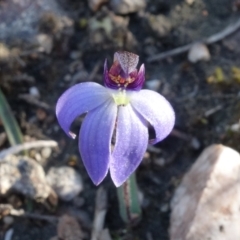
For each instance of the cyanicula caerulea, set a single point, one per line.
(119, 111)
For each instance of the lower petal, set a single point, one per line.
(95, 140)
(131, 144)
(156, 110)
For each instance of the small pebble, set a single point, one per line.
(41, 114)
(66, 182)
(46, 152)
(189, 2)
(153, 84)
(198, 52)
(94, 5)
(75, 55)
(67, 78)
(235, 127)
(4, 52)
(8, 220)
(45, 42)
(195, 144)
(159, 162)
(127, 6)
(164, 207)
(38, 157)
(34, 92)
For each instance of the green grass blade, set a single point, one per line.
(9, 122)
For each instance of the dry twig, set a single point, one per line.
(212, 39)
(100, 213)
(32, 100)
(26, 146)
(6, 209)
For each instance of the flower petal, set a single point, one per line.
(95, 140)
(139, 80)
(156, 110)
(77, 100)
(127, 60)
(131, 144)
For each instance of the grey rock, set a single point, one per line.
(159, 24)
(153, 84)
(19, 18)
(23, 175)
(206, 204)
(66, 182)
(96, 4)
(127, 6)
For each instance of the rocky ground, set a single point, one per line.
(48, 46)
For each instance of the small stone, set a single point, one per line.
(33, 91)
(195, 144)
(23, 175)
(8, 220)
(127, 6)
(235, 127)
(69, 229)
(164, 208)
(206, 203)
(66, 182)
(67, 78)
(159, 24)
(75, 55)
(189, 2)
(41, 114)
(38, 157)
(46, 152)
(45, 42)
(198, 52)
(153, 84)
(159, 162)
(94, 5)
(4, 52)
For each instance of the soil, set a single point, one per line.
(206, 104)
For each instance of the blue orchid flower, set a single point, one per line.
(120, 109)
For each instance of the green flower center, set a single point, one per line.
(121, 98)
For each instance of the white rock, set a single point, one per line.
(66, 182)
(153, 84)
(198, 52)
(45, 42)
(23, 175)
(127, 6)
(189, 2)
(235, 127)
(207, 202)
(33, 91)
(46, 152)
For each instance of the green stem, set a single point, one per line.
(9, 122)
(129, 206)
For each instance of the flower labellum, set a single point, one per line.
(120, 107)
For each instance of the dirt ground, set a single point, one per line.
(204, 96)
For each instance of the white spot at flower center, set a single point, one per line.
(121, 98)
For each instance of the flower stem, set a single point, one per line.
(128, 197)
